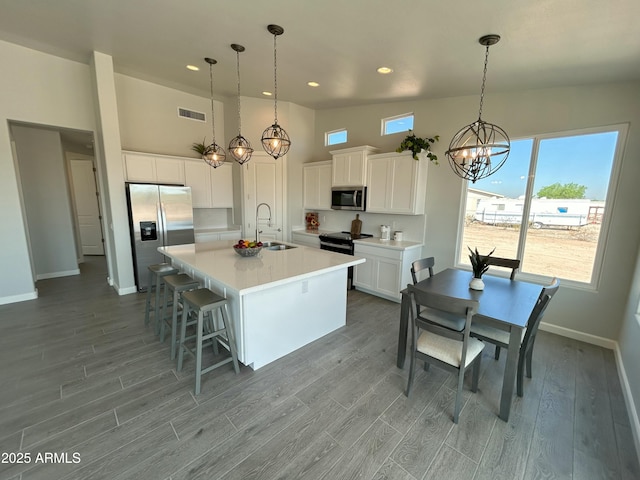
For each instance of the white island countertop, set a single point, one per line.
(279, 300)
(250, 274)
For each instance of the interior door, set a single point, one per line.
(86, 205)
(263, 182)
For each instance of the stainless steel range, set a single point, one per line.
(341, 242)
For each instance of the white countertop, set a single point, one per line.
(313, 233)
(377, 242)
(218, 260)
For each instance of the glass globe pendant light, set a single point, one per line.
(239, 147)
(481, 148)
(214, 154)
(275, 139)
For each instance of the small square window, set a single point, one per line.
(397, 124)
(336, 136)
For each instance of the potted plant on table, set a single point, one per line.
(417, 144)
(480, 265)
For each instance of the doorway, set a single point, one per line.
(48, 199)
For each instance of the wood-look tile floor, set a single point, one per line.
(84, 379)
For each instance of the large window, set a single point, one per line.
(547, 205)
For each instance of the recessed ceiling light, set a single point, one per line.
(384, 70)
(313, 84)
(267, 94)
(193, 68)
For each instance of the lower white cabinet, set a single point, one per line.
(308, 240)
(386, 272)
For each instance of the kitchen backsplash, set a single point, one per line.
(412, 226)
(212, 218)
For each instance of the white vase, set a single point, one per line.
(476, 284)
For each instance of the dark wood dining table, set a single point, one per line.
(504, 304)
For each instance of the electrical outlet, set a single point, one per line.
(305, 286)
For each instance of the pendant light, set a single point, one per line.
(479, 149)
(275, 139)
(239, 147)
(214, 154)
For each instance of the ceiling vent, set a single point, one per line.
(192, 115)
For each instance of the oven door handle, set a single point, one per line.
(335, 245)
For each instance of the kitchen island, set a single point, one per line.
(279, 300)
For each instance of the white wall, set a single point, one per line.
(522, 114)
(629, 341)
(149, 121)
(40, 89)
(47, 204)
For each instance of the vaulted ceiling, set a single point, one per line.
(431, 45)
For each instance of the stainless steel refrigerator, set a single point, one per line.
(159, 215)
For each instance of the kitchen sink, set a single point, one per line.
(276, 246)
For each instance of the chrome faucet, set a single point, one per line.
(258, 232)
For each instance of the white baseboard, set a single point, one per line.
(622, 373)
(583, 337)
(66, 273)
(19, 298)
(628, 399)
(126, 291)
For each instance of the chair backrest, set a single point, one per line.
(435, 301)
(538, 312)
(512, 263)
(422, 264)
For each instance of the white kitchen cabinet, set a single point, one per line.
(317, 186)
(210, 187)
(264, 181)
(149, 168)
(306, 239)
(396, 184)
(387, 271)
(349, 166)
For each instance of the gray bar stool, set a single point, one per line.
(155, 283)
(201, 302)
(177, 284)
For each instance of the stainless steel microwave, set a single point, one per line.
(348, 198)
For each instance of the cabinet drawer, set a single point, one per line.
(366, 250)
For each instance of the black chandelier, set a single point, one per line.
(479, 149)
(214, 154)
(239, 147)
(275, 139)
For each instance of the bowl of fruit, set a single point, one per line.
(246, 248)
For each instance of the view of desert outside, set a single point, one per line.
(577, 168)
(553, 252)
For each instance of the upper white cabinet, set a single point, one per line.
(396, 184)
(141, 167)
(210, 187)
(350, 166)
(317, 186)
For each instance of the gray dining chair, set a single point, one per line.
(500, 338)
(512, 263)
(445, 319)
(421, 265)
(445, 348)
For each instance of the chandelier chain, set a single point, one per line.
(484, 79)
(238, 72)
(275, 79)
(213, 125)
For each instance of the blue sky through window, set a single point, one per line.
(582, 159)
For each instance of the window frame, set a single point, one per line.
(327, 137)
(612, 192)
(386, 120)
